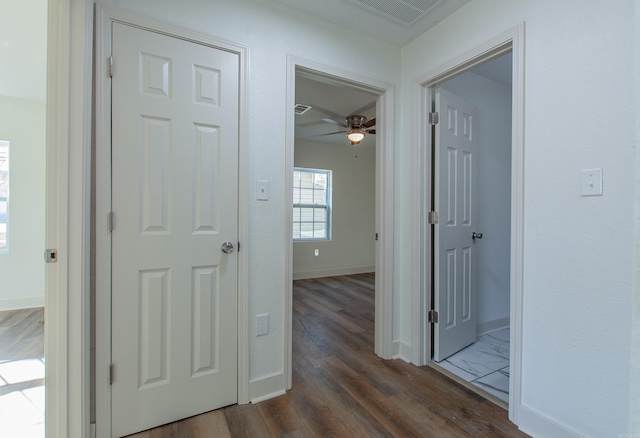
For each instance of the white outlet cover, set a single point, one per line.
(262, 190)
(262, 324)
(591, 182)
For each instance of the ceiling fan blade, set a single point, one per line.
(334, 122)
(371, 131)
(330, 133)
(369, 123)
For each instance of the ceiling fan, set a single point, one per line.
(357, 127)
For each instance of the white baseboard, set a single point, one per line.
(21, 303)
(402, 351)
(333, 272)
(267, 387)
(492, 326)
(536, 425)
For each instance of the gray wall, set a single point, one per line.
(493, 101)
(352, 247)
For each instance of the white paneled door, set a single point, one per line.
(174, 203)
(455, 201)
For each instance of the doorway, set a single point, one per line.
(334, 181)
(483, 359)
(511, 41)
(384, 163)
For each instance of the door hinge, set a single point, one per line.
(110, 374)
(51, 255)
(433, 317)
(434, 118)
(238, 246)
(433, 217)
(110, 66)
(109, 222)
(376, 236)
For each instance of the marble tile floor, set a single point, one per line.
(485, 363)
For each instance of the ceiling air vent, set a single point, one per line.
(405, 12)
(300, 108)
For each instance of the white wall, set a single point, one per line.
(352, 247)
(272, 32)
(22, 122)
(635, 341)
(579, 259)
(493, 217)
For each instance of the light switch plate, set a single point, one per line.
(591, 182)
(262, 190)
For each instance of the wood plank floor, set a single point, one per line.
(22, 334)
(342, 389)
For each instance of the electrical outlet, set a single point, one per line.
(262, 324)
(316, 252)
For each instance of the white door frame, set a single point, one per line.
(104, 18)
(67, 334)
(422, 88)
(385, 133)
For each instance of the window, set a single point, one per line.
(4, 194)
(311, 204)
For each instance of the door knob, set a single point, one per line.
(227, 247)
(475, 235)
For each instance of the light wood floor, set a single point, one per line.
(342, 389)
(22, 334)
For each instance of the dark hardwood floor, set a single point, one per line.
(342, 389)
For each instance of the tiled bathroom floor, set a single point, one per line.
(484, 363)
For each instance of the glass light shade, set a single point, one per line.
(355, 136)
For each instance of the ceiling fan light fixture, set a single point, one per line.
(355, 136)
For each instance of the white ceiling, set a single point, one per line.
(23, 49)
(378, 18)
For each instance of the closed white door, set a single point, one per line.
(174, 203)
(455, 202)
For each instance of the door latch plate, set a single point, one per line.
(50, 255)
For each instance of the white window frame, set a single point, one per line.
(5, 249)
(326, 206)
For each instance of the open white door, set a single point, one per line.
(174, 203)
(455, 199)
